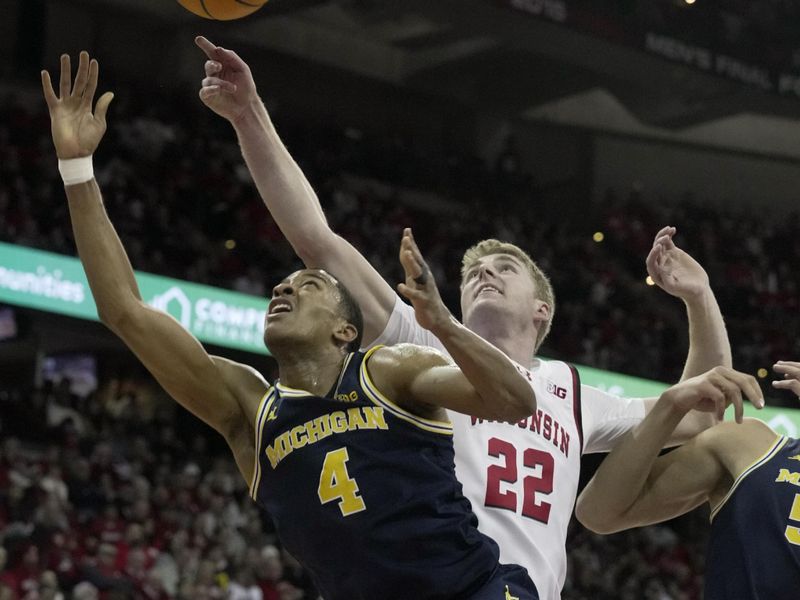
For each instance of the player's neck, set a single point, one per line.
(517, 345)
(315, 374)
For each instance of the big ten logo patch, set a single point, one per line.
(351, 397)
(556, 390)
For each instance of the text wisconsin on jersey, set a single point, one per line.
(542, 424)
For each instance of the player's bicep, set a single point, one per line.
(444, 385)
(180, 364)
(679, 481)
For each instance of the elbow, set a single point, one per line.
(519, 405)
(595, 520)
(117, 318)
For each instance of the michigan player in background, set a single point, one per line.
(521, 479)
(748, 474)
(351, 453)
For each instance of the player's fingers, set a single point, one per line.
(746, 383)
(102, 106)
(788, 384)
(791, 369)
(47, 88)
(212, 67)
(666, 230)
(206, 93)
(65, 83)
(225, 86)
(416, 251)
(206, 46)
(81, 75)
(412, 269)
(732, 393)
(91, 84)
(410, 293)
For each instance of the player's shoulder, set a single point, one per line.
(240, 378)
(740, 441)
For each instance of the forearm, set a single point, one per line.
(281, 183)
(491, 373)
(624, 473)
(107, 267)
(709, 346)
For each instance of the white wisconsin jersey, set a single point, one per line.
(522, 478)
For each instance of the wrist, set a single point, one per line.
(75, 171)
(445, 326)
(699, 298)
(252, 113)
(670, 406)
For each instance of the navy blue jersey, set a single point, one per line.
(363, 493)
(754, 551)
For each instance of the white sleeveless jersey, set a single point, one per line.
(522, 478)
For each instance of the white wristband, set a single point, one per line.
(76, 170)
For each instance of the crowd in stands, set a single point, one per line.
(179, 194)
(120, 495)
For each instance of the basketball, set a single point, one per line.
(222, 10)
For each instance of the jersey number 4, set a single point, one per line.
(508, 472)
(335, 483)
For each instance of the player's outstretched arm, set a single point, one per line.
(680, 275)
(483, 383)
(215, 390)
(229, 90)
(634, 487)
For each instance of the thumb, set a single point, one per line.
(102, 106)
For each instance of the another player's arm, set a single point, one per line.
(483, 382)
(677, 273)
(634, 487)
(215, 390)
(423, 380)
(230, 91)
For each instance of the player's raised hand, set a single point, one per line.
(714, 391)
(672, 269)
(420, 287)
(75, 128)
(228, 87)
(791, 376)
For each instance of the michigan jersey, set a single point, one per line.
(522, 478)
(363, 493)
(754, 550)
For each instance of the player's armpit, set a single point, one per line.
(217, 391)
(422, 379)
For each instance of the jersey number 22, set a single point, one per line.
(508, 473)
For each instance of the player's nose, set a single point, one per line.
(284, 288)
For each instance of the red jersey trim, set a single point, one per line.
(576, 402)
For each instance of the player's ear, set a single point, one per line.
(541, 311)
(345, 333)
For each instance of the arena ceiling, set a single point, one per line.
(486, 55)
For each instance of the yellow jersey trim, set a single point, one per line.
(375, 395)
(263, 410)
(289, 392)
(769, 454)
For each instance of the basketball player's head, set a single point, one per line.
(500, 283)
(312, 311)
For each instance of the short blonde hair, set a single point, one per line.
(544, 289)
